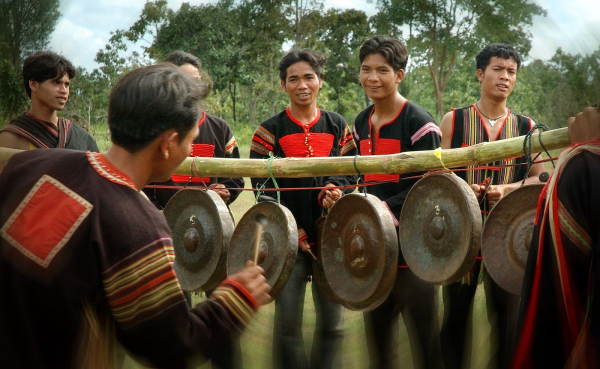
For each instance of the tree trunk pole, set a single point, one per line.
(417, 161)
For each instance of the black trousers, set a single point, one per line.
(417, 301)
(457, 326)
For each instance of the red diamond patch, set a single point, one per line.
(45, 220)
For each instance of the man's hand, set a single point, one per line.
(477, 189)
(253, 280)
(495, 193)
(221, 191)
(585, 126)
(330, 196)
(304, 246)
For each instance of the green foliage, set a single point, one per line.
(12, 93)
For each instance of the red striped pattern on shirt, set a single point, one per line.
(263, 141)
(144, 284)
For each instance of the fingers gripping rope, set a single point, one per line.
(527, 147)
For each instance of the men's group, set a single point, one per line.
(86, 261)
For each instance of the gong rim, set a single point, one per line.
(201, 228)
(359, 266)
(278, 247)
(440, 228)
(507, 236)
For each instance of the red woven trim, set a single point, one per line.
(202, 119)
(203, 150)
(242, 291)
(305, 126)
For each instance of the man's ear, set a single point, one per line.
(399, 75)
(167, 140)
(33, 85)
(282, 85)
(480, 75)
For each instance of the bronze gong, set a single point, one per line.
(359, 252)
(201, 227)
(278, 244)
(507, 236)
(440, 228)
(318, 274)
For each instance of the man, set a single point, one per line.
(304, 130)
(560, 305)
(390, 126)
(86, 261)
(489, 119)
(214, 140)
(47, 78)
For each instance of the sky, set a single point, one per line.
(85, 25)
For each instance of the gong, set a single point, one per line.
(440, 228)
(278, 244)
(201, 227)
(359, 252)
(317, 265)
(507, 236)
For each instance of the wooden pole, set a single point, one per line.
(408, 162)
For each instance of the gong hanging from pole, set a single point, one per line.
(201, 226)
(278, 243)
(507, 236)
(317, 265)
(440, 228)
(359, 252)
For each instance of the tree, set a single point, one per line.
(339, 36)
(25, 26)
(442, 31)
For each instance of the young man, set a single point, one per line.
(393, 125)
(215, 140)
(560, 325)
(489, 119)
(304, 130)
(47, 78)
(86, 261)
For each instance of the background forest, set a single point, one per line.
(240, 42)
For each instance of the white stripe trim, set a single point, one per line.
(429, 127)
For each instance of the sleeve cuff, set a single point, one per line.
(236, 299)
(302, 235)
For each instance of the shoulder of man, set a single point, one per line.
(417, 114)
(216, 121)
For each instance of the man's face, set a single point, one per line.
(302, 84)
(378, 78)
(52, 93)
(178, 151)
(499, 78)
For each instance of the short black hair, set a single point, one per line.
(393, 50)
(315, 60)
(150, 100)
(45, 65)
(180, 58)
(503, 51)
